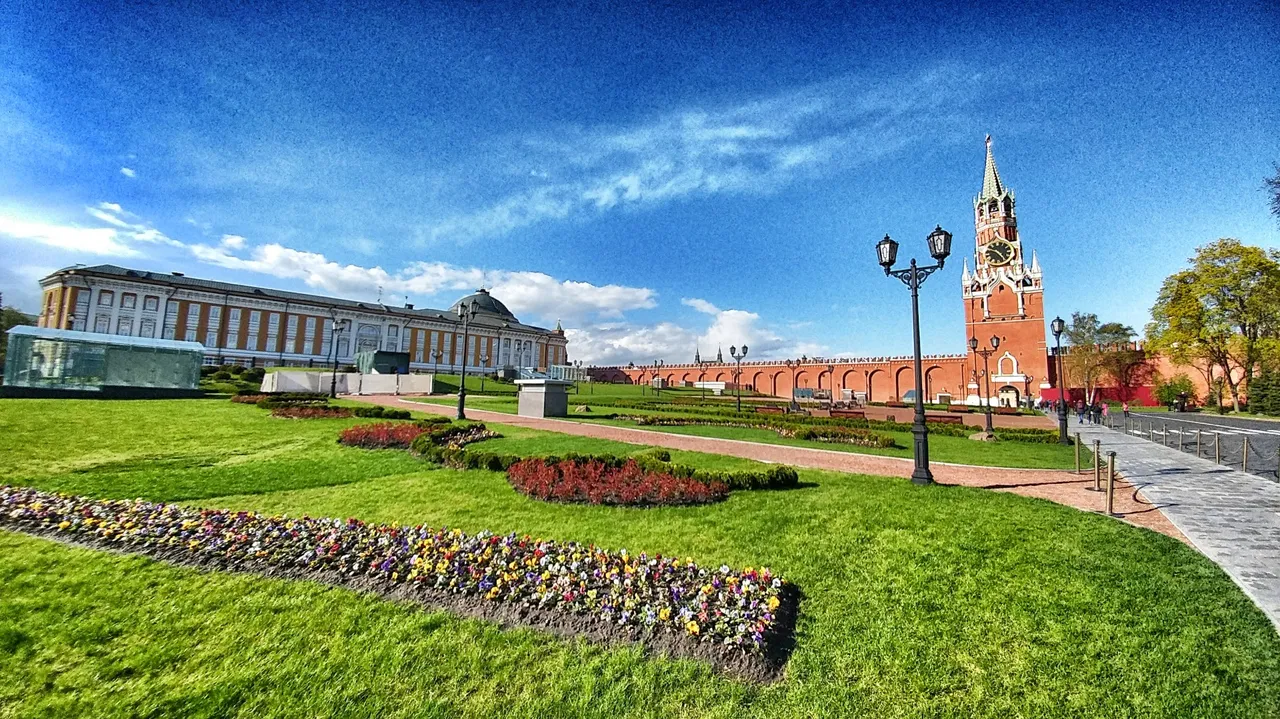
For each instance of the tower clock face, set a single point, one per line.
(999, 252)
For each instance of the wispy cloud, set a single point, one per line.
(128, 172)
(120, 239)
(752, 147)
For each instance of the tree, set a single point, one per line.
(1219, 314)
(1272, 186)
(1103, 350)
(11, 317)
(1170, 391)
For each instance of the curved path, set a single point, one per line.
(1061, 486)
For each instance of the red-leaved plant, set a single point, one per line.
(297, 412)
(383, 435)
(594, 482)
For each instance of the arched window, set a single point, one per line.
(1008, 206)
(1008, 370)
(993, 207)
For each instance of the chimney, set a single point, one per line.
(408, 305)
(178, 274)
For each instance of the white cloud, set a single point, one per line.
(754, 146)
(93, 240)
(232, 242)
(532, 296)
(700, 305)
(128, 172)
(363, 245)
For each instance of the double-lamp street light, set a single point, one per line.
(794, 366)
(887, 252)
(657, 380)
(337, 328)
(466, 313)
(737, 375)
(986, 372)
(1058, 327)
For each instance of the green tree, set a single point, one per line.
(1103, 350)
(11, 317)
(1272, 186)
(1218, 314)
(1169, 391)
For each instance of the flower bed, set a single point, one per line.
(248, 398)
(842, 435)
(815, 432)
(310, 412)
(595, 482)
(734, 618)
(384, 435)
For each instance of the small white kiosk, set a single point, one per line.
(543, 397)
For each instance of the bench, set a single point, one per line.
(944, 419)
(771, 410)
(849, 413)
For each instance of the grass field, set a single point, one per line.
(959, 450)
(918, 602)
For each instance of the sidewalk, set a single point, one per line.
(1061, 486)
(1233, 517)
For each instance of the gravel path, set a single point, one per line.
(1063, 487)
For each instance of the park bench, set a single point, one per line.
(771, 410)
(849, 413)
(944, 419)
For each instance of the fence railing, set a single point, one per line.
(1230, 450)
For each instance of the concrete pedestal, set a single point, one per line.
(543, 398)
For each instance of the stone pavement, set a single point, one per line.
(1063, 487)
(1233, 517)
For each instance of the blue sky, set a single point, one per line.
(658, 177)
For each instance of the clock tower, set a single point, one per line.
(1004, 297)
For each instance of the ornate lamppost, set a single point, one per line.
(337, 329)
(1058, 327)
(737, 375)
(986, 372)
(466, 313)
(887, 251)
(793, 365)
(657, 380)
(484, 362)
(831, 384)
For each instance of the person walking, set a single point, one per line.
(1080, 412)
(1106, 412)
(1125, 408)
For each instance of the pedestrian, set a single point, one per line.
(1080, 412)
(1106, 412)
(1125, 408)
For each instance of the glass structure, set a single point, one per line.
(55, 359)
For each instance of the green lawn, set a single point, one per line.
(918, 602)
(959, 450)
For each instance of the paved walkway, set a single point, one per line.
(1233, 517)
(1063, 487)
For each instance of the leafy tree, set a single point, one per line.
(1219, 314)
(1103, 350)
(11, 317)
(1169, 391)
(1272, 186)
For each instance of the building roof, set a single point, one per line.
(50, 333)
(180, 280)
(991, 184)
(484, 303)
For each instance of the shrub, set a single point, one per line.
(310, 412)
(844, 435)
(237, 369)
(434, 419)
(206, 370)
(253, 374)
(221, 376)
(385, 435)
(595, 482)
(713, 606)
(381, 412)
(248, 398)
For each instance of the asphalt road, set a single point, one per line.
(1231, 432)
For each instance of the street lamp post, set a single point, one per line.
(702, 378)
(986, 373)
(484, 362)
(1058, 327)
(887, 252)
(466, 312)
(737, 375)
(657, 383)
(793, 365)
(333, 340)
(831, 384)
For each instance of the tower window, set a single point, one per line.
(993, 208)
(1008, 206)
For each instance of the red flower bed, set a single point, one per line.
(297, 412)
(594, 482)
(384, 435)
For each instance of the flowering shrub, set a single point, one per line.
(632, 594)
(384, 435)
(457, 435)
(595, 482)
(842, 435)
(815, 432)
(310, 412)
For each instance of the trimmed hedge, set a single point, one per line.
(844, 435)
(841, 433)
(378, 412)
(788, 425)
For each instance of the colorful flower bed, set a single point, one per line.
(310, 412)
(717, 613)
(596, 482)
(816, 433)
(841, 435)
(384, 435)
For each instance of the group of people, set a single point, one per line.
(1092, 413)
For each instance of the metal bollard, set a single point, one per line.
(1244, 456)
(1097, 465)
(1198, 433)
(1180, 438)
(1164, 433)
(1217, 448)
(1111, 483)
(1077, 453)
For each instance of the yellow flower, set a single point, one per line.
(64, 524)
(664, 614)
(773, 603)
(692, 627)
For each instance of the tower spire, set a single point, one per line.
(991, 184)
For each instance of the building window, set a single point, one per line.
(147, 328)
(128, 301)
(447, 354)
(150, 304)
(309, 336)
(326, 338)
(209, 361)
(171, 320)
(102, 323)
(255, 321)
(435, 341)
(273, 331)
(422, 340)
(124, 326)
(193, 322)
(215, 322)
(233, 328)
(80, 316)
(290, 333)
(106, 298)
(393, 334)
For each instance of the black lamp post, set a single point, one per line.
(657, 380)
(831, 383)
(737, 375)
(333, 381)
(484, 362)
(887, 251)
(466, 313)
(1058, 327)
(577, 376)
(986, 372)
(793, 365)
(702, 378)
